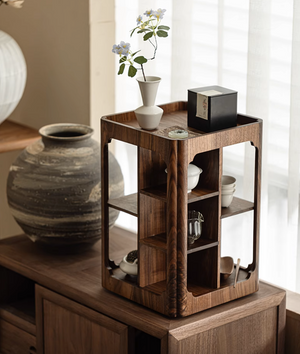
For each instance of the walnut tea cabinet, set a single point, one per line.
(173, 279)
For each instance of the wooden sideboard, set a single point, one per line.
(15, 136)
(54, 303)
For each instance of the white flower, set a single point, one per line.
(159, 14)
(125, 47)
(121, 49)
(148, 13)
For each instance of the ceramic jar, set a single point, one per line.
(53, 188)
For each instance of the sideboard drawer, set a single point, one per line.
(15, 341)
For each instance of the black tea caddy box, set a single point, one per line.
(212, 108)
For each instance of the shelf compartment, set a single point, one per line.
(153, 267)
(20, 313)
(120, 275)
(127, 204)
(201, 244)
(157, 288)
(152, 219)
(202, 268)
(17, 300)
(242, 276)
(151, 169)
(209, 208)
(237, 206)
(197, 290)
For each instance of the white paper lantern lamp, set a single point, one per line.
(13, 75)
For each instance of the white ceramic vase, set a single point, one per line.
(148, 115)
(13, 75)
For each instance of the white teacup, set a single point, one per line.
(228, 182)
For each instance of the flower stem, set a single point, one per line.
(143, 72)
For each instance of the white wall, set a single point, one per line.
(102, 65)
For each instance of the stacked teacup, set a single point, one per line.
(228, 189)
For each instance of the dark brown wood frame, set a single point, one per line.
(162, 283)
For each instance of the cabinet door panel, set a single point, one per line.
(69, 327)
(13, 340)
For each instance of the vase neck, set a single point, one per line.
(149, 89)
(65, 133)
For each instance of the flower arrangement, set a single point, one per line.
(150, 29)
(14, 3)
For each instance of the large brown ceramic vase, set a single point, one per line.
(53, 188)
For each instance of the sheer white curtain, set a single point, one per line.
(254, 48)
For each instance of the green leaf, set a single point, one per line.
(121, 69)
(140, 60)
(162, 33)
(163, 28)
(143, 30)
(132, 32)
(122, 59)
(148, 36)
(135, 53)
(132, 71)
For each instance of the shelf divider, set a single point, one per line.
(160, 242)
(127, 204)
(157, 241)
(237, 206)
(160, 192)
(201, 244)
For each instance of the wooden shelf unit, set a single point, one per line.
(175, 279)
(17, 300)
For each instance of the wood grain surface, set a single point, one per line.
(72, 328)
(14, 340)
(15, 136)
(163, 203)
(78, 277)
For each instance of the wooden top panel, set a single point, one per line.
(14, 136)
(175, 117)
(78, 277)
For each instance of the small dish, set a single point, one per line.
(226, 266)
